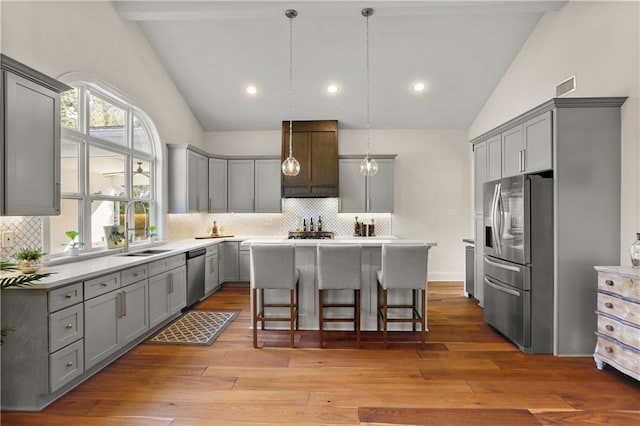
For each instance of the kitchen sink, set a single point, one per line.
(149, 252)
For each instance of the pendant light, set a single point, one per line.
(368, 165)
(290, 166)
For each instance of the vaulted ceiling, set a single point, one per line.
(213, 50)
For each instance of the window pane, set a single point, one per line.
(141, 138)
(106, 172)
(68, 220)
(107, 224)
(141, 182)
(106, 121)
(69, 166)
(69, 108)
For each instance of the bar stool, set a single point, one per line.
(404, 267)
(339, 268)
(273, 267)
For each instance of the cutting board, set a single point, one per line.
(203, 237)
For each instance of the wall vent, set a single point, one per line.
(566, 87)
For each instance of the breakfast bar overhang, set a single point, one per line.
(306, 263)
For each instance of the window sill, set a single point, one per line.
(61, 259)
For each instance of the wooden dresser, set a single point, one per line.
(618, 313)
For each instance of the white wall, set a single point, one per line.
(60, 37)
(432, 191)
(599, 43)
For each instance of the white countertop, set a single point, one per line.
(81, 269)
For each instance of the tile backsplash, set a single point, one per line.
(27, 232)
(293, 211)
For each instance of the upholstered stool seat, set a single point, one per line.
(273, 268)
(339, 268)
(404, 267)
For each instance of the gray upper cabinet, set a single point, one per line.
(494, 158)
(217, 185)
(359, 194)
(527, 148)
(480, 172)
(267, 186)
(254, 185)
(512, 146)
(29, 134)
(241, 186)
(188, 180)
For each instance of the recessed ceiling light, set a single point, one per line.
(332, 88)
(252, 90)
(419, 87)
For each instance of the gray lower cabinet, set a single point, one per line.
(114, 319)
(222, 267)
(29, 132)
(371, 194)
(478, 279)
(231, 261)
(244, 264)
(63, 335)
(211, 280)
(167, 294)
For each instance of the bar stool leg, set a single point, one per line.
(321, 318)
(255, 317)
(414, 309)
(385, 316)
(357, 317)
(424, 321)
(379, 302)
(297, 306)
(262, 302)
(292, 315)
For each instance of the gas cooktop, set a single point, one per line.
(314, 235)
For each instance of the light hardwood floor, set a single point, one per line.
(466, 375)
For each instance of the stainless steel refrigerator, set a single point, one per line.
(518, 281)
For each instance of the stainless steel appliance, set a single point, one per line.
(195, 275)
(518, 280)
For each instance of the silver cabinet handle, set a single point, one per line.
(171, 282)
(608, 305)
(103, 285)
(609, 283)
(68, 295)
(524, 160)
(69, 326)
(70, 364)
(608, 327)
(119, 304)
(124, 303)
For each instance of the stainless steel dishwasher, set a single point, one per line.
(195, 275)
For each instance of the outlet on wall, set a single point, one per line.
(7, 239)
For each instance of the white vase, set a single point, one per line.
(73, 251)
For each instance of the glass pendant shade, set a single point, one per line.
(368, 166)
(290, 167)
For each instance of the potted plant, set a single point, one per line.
(28, 259)
(74, 244)
(152, 232)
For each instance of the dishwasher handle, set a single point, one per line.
(196, 253)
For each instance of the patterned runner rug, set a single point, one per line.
(195, 328)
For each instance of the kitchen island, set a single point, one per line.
(305, 251)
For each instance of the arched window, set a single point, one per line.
(110, 160)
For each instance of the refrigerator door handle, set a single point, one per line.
(501, 288)
(495, 222)
(500, 265)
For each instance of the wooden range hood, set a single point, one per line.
(315, 146)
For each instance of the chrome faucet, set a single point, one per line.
(126, 221)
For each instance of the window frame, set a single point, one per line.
(90, 86)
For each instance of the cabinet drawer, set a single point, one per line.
(101, 285)
(619, 308)
(65, 365)
(623, 286)
(163, 265)
(620, 356)
(62, 297)
(133, 275)
(617, 330)
(65, 327)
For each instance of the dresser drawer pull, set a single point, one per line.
(608, 327)
(70, 364)
(608, 349)
(68, 295)
(608, 305)
(103, 284)
(69, 326)
(609, 283)
(135, 275)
